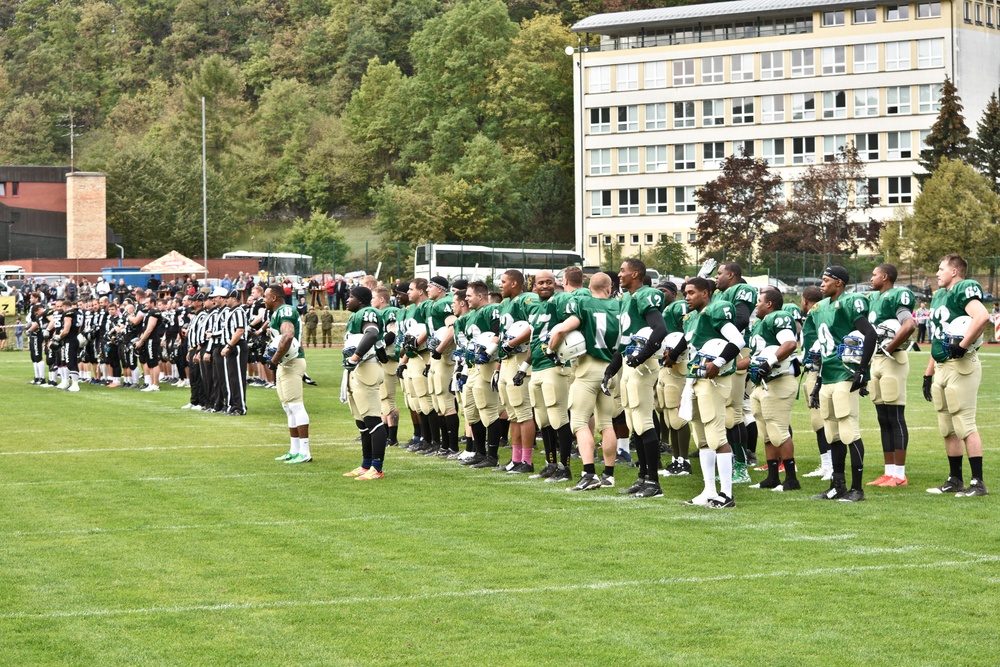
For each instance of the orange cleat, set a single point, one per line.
(896, 481)
(369, 474)
(881, 481)
(357, 472)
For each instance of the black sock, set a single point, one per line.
(752, 437)
(366, 439)
(589, 467)
(493, 433)
(548, 443)
(900, 433)
(884, 427)
(821, 442)
(609, 471)
(651, 444)
(433, 427)
(565, 437)
(976, 463)
(505, 429)
(656, 424)
(377, 435)
(789, 469)
(451, 423)
(681, 441)
(772, 469)
(857, 464)
(393, 433)
(838, 450)
(640, 453)
(425, 428)
(479, 437)
(955, 464)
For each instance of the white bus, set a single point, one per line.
(481, 262)
(276, 263)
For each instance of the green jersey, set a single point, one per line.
(809, 331)
(363, 319)
(282, 314)
(834, 321)
(769, 331)
(516, 309)
(737, 294)
(634, 308)
(947, 305)
(794, 312)
(598, 323)
(481, 320)
(701, 327)
(542, 316)
(438, 312)
(674, 314)
(889, 304)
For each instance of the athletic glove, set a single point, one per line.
(435, 355)
(495, 380)
(389, 338)
(427, 369)
(518, 378)
(858, 380)
(763, 369)
(956, 351)
(400, 370)
(508, 350)
(864, 390)
(350, 365)
(796, 367)
(553, 356)
(928, 381)
(380, 354)
(606, 385)
(814, 395)
(632, 360)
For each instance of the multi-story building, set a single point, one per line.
(669, 93)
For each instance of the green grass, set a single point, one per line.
(132, 532)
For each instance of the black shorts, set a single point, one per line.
(149, 353)
(35, 345)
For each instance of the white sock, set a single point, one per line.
(826, 461)
(890, 469)
(135, 376)
(622, 444)
(707, 457)
(52, 376)
(725, 463)
(295, 446)
(900, 471)
(304, 447)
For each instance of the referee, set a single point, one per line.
(234, 355)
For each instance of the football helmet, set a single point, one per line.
(82, 339)
(413, 333)
(351, 342)
(639, 340)
(769, 352)
(513, 331)
(709, 352)
(434, 339)
(293, 351)
(574, 345)
(813, 359)
(954, 333)
(483, 349)
(851, 349)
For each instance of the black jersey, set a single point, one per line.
(73, 316)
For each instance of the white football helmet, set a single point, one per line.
(351, 342)
(671, 341)
(769, 352)
(293, 350)
(851, 349)
(639, 340)
(711, 351)
(515, 330)
(435, 338)
(813, 358)
(484, 350)
(955, 331)
(574, 345)
(413, 332)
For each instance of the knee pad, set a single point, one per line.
(289, 415)
(299, 414)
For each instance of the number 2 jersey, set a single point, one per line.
(946, 305)
(834, 319)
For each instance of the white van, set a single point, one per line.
(11, 272)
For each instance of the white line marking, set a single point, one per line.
(489, 592)
(818, 538)
(872, 551)
(332, 443)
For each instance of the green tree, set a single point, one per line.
(321, 237)
(221, 83)
(985, 148)
(668, 256)
(949, 137)
(737, 207)
(26, 134)
(956, 211)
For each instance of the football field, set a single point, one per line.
(136, 533)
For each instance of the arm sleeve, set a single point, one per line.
(733, 335)
(676, 352)
(742, 317)
(369, 339)
(614, 365)
(654, 319)
(903, 314)
(865, 327)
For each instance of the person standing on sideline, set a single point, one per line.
(922, 315)
(283, 328)
(234, 356)
(364, 378)
(953, 375)
(311, 320)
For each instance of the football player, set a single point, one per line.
(439, 319)
(892, 316)
(953, 374)
(670, 383)
(837, 317)
(364, 377)
(483, 411)
(284, 328)
(387, 390)
(516, 352)
(810, 348)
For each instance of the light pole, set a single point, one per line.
(578, 120)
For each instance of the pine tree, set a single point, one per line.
(985, 148)
(949, 137)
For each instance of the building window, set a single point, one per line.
(656, 202)
(870, 191)
(930, 98)
(600, 162)
(628, 202)
(600, 79)
(741, 146)
(772, 65)
(621, 239)
(684, 72)
(600, 120)
(628, 118)
(743, 111)
(3, 189)
(649, 237)
(772, 109)
(628, 76)
(692, 237)
(924, 135)
(865, 102)
(930, 53)
(803, 106)
(832, 145)
(656, 116)
(773, 152)
(865, 58)
(628, 160)
(600, 204)
(867, 146)
(899, 190)
(713, 153)
(898, 146)
(897, 100)
(593, 240)
(834, 104)
(656, 159)
(803, 62)
(684, 201)
(684, 157)
(635, 239)
(15, 189)
(833, 19)
(834, 60)
(967, 12)
(979, 14)
(677, 237)
(742, 67)
(712, 113)
(712, 70)
(929, 10)
(989, 15)
(683, 114)
(607, 239)
(897, 56)
(804, 150)
(897, 12)
(656, 74)
(865, 15)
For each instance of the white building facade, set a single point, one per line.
(670, 92)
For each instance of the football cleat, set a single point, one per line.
(283, 457)
(561, 474)
(649, 490)
(896, 481)
(369, 475)
(299, 458)
(722, 501)
(588, 482)
(357, 472)
(701, 500)
(880, 481)
(852, 496)
(607, 481)
(975, 488)
(951, 485)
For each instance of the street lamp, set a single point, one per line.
(578, 141)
